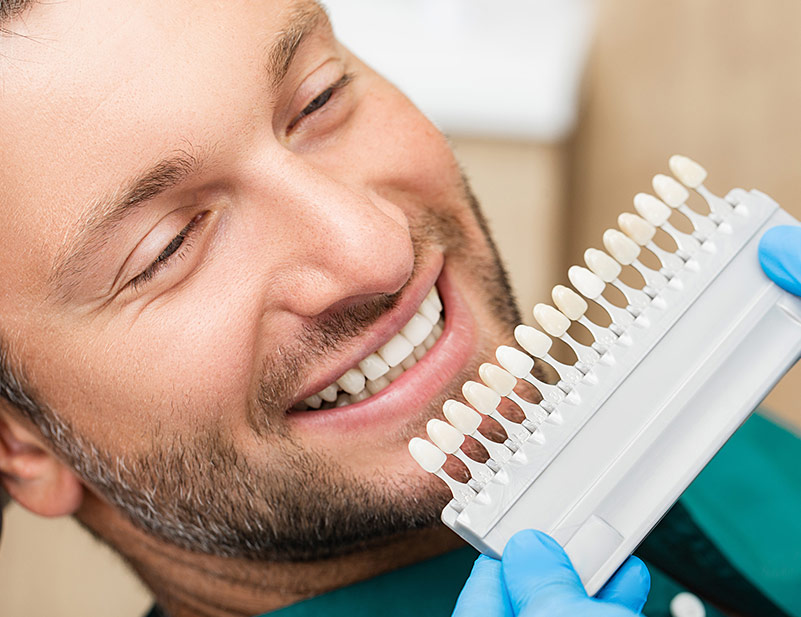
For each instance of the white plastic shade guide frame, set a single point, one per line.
(597, 467)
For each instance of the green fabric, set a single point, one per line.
(684, 552)
(663, 590)
(428, 588)
(748, 501)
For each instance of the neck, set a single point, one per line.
(188, 584)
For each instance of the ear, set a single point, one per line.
(33, 477)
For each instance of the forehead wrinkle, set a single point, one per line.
(103, 215)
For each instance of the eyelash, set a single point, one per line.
(321, 99)
(176, 248)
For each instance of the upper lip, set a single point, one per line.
(387, 326)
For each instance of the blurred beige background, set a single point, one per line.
(717, 80)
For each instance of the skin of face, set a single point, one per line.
(307, 219)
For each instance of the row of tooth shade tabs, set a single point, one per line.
(602, 268)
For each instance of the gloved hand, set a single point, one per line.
(535, 579)
(780, 256)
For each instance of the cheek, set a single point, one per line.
(172, 372)
(389, 146)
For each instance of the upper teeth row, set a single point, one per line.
(381, 367)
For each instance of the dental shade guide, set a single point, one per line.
(629, 425)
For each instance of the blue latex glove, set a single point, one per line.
(780, 256)
(535, 579)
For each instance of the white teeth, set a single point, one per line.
(602, 264)
(395, 350)
(417, 329)
(533, 341)
(394, 373)
(636, 228)
(444, 436)
(496, 378)
(551, 320)
(352, 381)
(379, 369)
(514, 360)
(586, 282)
(651, 209)
(481, 397)
(374, 387)
(409, 362)
(313, 401)
(569, 302)
(329, 394)
(461, 416)
(433, 296)
(427, 455)
(669, 191)
(360, 396)
(373, 366)
(620, 246)
(689, 172)
(429, 310)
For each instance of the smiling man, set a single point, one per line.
(240, 270)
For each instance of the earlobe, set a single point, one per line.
(32, 476)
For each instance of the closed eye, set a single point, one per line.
(321, 99)
(177, 248)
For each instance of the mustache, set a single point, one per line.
(286, 368)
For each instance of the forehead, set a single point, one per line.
(91, 89)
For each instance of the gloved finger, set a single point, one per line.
(780, 256)
(484, 594)
(538, 575)
(629, 586)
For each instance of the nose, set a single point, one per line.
(344, 244)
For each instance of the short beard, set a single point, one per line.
(205, 496)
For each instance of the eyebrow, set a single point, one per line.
(10, 9)
(104, 215)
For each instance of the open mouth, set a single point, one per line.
(387, 363)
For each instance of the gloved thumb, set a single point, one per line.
(541, 582)
(629, 586)
(539, 576)
(780, 256)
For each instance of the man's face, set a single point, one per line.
(210, 212)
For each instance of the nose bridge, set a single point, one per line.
(349, 243)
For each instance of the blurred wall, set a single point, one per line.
(717, 80)
(478, 68)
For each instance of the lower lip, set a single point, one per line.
(403, 399)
